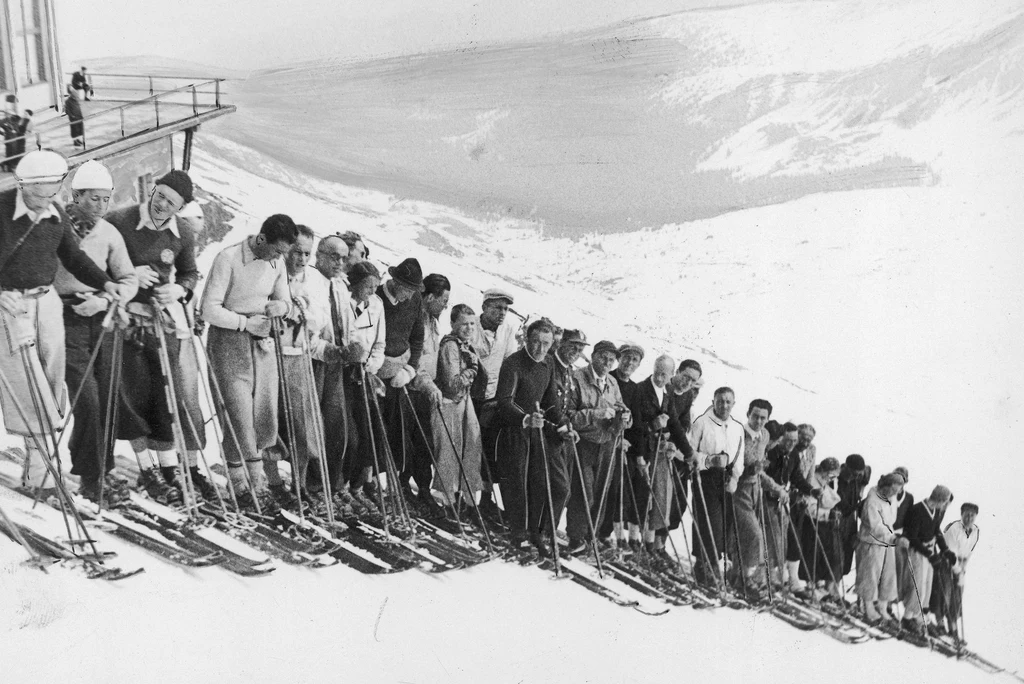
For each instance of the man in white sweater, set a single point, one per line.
(246, 289)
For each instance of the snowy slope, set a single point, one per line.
(888, 317)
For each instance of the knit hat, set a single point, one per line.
(498, 293)
(941, 494)
(179, 182)
(361, 271)
(628, 346)
(575, 337)
(407, 273)
(904, 472)
(605, 346)
(41, 166)
(855, 462)
(92, 176)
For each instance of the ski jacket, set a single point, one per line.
(458, 369)
(404, 325)
(586, 398)
(711, 435)
(877, 520)
(369, 330)
(961, 542)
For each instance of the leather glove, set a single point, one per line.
(935, 559)
(533, 420)
(333, 355)
(815, 493)
(355, 352)
(950, 556)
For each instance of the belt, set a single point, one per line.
(31, 292)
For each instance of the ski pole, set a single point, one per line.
(373, 448)
(171, 395)
(34, 558)
(318, 425)
(289, 422)
(551, 505)
(917, 593)
(391, 467)
(705, 551)
(586, 505)
(800, 550)
(677, 495)
(606, 487)
(664, 514)
(486, 467)
(465, 480)
(433, 459)
(719, 571)
(111, 417)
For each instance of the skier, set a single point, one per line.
(818, 530)
(876, 549)
(561, 458)
(854, 476)
(455, 430)
(922, 546)
(310, 296)
(246, 290)
(717, 441)
(36, 235)
(780, 475)
(495, 341)
(947, 590)
(92, 456)
(160, 249)
(402, 297)
(747, 499)
(613, 526)
(598, 415)
(526, 379)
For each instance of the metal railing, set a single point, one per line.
(137, 115)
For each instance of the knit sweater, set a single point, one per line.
(161, 250)
(106, 247)
(522, 382)
(923, 529)
(49, 242)
(403, 326)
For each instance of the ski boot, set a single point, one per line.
(284, 497)
(151, 480)
(205, 490)
(267, 503)
(113, 496)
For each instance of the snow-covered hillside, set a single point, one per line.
(888, 314)
(659, 121)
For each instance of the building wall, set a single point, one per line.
(29, 62)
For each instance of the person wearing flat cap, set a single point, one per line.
(35, 236)
(494, 341)
(402, 297)
(922, 546)
(599, 416)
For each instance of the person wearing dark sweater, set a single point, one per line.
(35, 236)
(854, 476)
(403, 345)
(612, 526)
(163, 254)
(922, 546)
(525, 382)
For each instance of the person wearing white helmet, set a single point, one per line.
(36, 236)
(84, 311)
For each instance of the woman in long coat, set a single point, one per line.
(456, 432)
(818, 535)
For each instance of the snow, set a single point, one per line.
(888, 317)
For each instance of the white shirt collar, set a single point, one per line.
(21, 209)
(145, 221)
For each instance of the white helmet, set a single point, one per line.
(92, 176)
(41, 166)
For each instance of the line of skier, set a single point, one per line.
(340, 371)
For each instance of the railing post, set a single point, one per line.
(150, 85)
(120, 110)
(195, 102)
(156, 106)
(216, 89)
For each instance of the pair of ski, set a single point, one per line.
(950, 647)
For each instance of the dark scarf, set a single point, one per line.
(81, 223)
